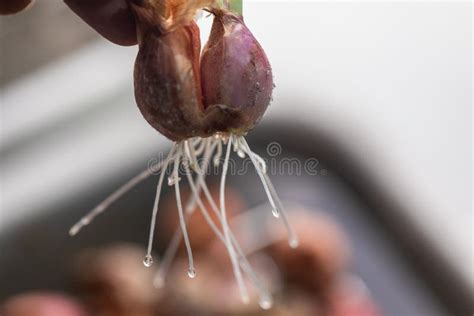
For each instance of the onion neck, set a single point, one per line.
(235, 6)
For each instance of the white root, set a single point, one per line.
(182, 222)
(225, 226)
(243, 261)
(172, 248)
(271, 192)
(202, 145)
(148, 261)
(105, 204)
(191, 158)
(292, 237)
(258, 168)
(190, 206)
(217, 157)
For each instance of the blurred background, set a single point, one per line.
(378, 93)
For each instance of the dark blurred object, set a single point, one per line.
(310, 280)
(321, 257)
(42, 304)
(13, 6)
(214, 291)
(114, 282)
(112, 19)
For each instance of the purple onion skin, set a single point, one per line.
(167, 78)
(235, 72)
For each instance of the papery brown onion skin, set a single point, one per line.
(167, 89)
(166, 75)
(235, 71)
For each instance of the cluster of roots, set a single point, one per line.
(194, 158)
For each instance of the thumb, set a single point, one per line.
(112, 19)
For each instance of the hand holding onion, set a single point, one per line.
(206, 103)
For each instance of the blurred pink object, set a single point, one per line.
(42, 304)
(351, 298)
(322, 256)
(114, 282)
